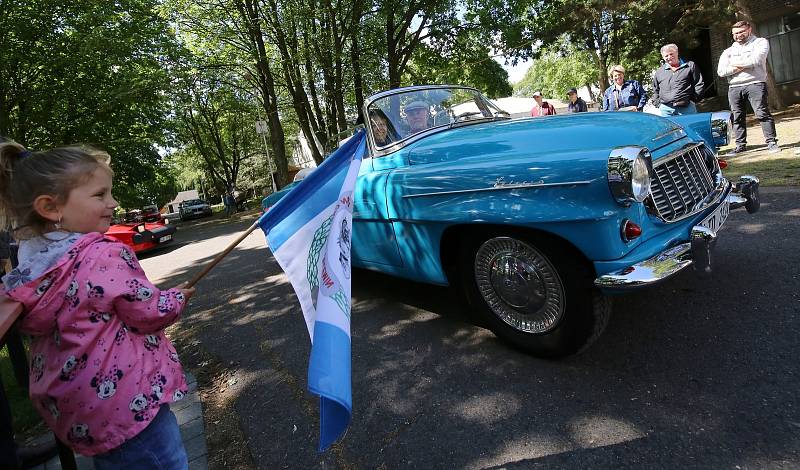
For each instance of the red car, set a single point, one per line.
(142, 236)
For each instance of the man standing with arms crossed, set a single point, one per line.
(745, 66)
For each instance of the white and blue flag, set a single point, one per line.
(309, 232)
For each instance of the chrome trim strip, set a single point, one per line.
(666, 133)
(676, 153)
(499, 188)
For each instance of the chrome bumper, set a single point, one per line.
(697, 251)
(745, 193)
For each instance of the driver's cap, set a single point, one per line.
(419, 104)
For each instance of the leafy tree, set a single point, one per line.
(229, 35)
(466, 62)
(217, 123)
(91, 72)
(562, 67)
(607, 31)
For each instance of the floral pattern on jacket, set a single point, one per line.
(101, 365)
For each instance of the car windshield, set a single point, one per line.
(398, 116)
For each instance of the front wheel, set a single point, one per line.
(538, 298)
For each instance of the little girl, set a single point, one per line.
(102, 371)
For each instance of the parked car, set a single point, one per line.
(194, 208)
(539, 220)
(151, 214)
(143, 236)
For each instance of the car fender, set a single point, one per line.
(567, 195)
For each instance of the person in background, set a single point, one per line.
(677, 85)
(418, 114)
(230, 203)
(623, 95)
(541, 108)
(103, 373)
(576, 103)
(382, 130)
(744, 64)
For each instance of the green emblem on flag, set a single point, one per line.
(314, 252)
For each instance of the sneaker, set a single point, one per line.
(739, 149)
(773, 147)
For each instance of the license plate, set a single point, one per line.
(165, 238)
(715, 220)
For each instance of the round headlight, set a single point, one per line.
(629, 174)
(640, 178)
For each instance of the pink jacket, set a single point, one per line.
(100, 363)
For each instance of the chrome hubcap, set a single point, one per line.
(519, 285)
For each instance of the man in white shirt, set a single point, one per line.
(744, 64)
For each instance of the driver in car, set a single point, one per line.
(417, 116)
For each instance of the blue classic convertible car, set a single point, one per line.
(537, 220)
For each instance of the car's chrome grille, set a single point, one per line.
(681, 182)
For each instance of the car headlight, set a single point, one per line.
(721, 128)
(629, 174)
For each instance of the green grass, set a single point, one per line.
(26, 420)
(778, 170)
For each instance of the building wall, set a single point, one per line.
(720, 39)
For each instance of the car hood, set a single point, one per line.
(585, 132)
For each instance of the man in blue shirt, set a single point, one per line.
(623, 95)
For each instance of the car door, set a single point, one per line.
(374, 240)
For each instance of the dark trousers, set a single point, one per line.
(756, 94)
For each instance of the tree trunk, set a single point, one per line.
(338, 51)
(318, 123)
(774, 96)
(392, 52)
(292, 75)
(266, 85)
(355, 59)
(602, 74)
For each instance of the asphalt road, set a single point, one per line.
(689, 374)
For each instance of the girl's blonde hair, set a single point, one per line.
(26, 175)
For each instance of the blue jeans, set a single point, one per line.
(677, 110)
(158, 446)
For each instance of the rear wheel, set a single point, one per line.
(534, 294)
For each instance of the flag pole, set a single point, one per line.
(219, 257)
